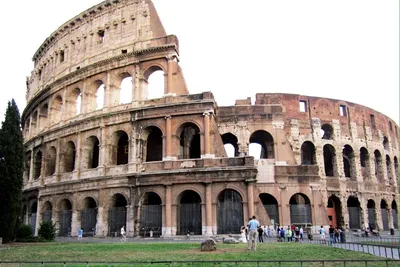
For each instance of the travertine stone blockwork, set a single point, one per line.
(147, 164)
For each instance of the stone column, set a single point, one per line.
(171, 70)
(250, 198)
(130, 231)
(168, 206)
(102, 151)
(208, 210)
(58, 160)
(207, 137)
(38, 218)
(78, 159)
(168, 139)
(76, 221)
(32, 167)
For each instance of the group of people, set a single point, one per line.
(291, 234)
(335, 234)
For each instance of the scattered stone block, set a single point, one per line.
(231, 240)
(208, 245)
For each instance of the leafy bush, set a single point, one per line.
(47, 230)
(24, 232)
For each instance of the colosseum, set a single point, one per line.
(103, 152)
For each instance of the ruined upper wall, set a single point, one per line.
(103, 31)
(367, 120)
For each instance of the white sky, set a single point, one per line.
(343, 49)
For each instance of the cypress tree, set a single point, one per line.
(11, 172)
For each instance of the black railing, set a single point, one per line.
(269, 263)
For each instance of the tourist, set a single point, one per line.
(282, 234)
(80, 233)
(301, 231)
(243, 237)
(123, 234)
(260, 234)
(253, 226)
(336, 235)
(331, 233)
(322, 231)
(289, 234)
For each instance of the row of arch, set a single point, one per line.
(76, 101)
(230, 216)
(152, 150)
(355, 213)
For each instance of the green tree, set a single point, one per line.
(11, 172)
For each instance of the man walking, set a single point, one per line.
(253, 226)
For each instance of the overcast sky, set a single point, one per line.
(342, 49)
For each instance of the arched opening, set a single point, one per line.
(120, 148)
(69, 157)
(385, 215)
(91, 152)
(74, 101)
(38, 165)
(230, 212)
(327, 132)
(65, 218)
(150, 215)
(34, 123)
(255, 150)
(385, 143)
(389, 168)
(51, 161)
(117, 214)
(271, 207)
(28, 165)
(353, 206)
(153, 146)
(89, 216)
(32, 216)
(300, 210)
(396, 167)
(47, 212)
(24, 211)
(378, 166)
(394, 215)
(154, 83)
(43, 114)
(189, 141)
(349, 162)
(230, 144)
(330, 161)
(26, 128)
(364, 161)
(308, 154)
(334, 211)
(100, 96)
(189, 213)
(371, 214)
(266, 141)
(56, 113)
(125, 94)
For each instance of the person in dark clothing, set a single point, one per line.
(331, 233)
(260, 234)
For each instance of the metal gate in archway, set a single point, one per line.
(372, 217)
(89, 220)
(150, 220)
(230, 212)
(354, 218)
(32, 222)
(189, 218)
(385, 219)
(395, 219)
(273, 212)
(47, 216)
(116, 219)
(65, 222)
(300, 214)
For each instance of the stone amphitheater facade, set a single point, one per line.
(158, 166)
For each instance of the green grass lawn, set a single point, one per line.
(149, 251)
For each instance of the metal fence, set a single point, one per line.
(374, 249)
(266, 263)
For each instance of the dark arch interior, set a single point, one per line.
(119, 200)
(268, 199)
(190, 142)
(299, 199)
(230, 138)
(151, 199)
(89, 203)
(154, 145)
(190, 196)
(66, 205)
(328, 131)
(353, 202)
(371, 204)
